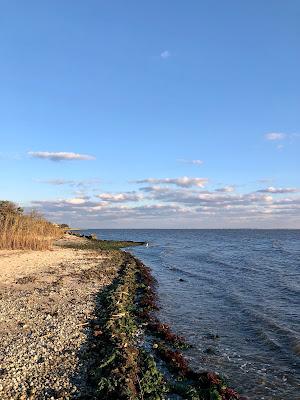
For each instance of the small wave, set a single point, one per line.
(290, 290)
(277, 335)
(209, 259)
(271, 342)
(182, 271)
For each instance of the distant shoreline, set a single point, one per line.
(186, 229)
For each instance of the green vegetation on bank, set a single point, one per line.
(95, 244)
(137, 357)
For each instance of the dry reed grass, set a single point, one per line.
(27, 232)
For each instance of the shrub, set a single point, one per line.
(8, 207)
(19, 231)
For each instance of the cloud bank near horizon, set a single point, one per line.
(178, 202)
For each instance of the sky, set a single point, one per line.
(152, 114)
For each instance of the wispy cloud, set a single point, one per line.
(10, 156)
(60, 156)
(71, 182)
(275, 190)
(275, 136)
(165, 54)
(57, 182)
(181, 182)
(225, 189)
(266, 180)
(193, 162)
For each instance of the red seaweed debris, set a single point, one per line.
(206, 385)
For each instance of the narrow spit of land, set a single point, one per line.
(79, 322)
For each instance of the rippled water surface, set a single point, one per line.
(235, 295)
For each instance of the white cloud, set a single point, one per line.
(273, 136)
(76, 201)
(165, 54)
(60, 156)
(275, 190)
(119, 197)
(193, 162)
(156, 188)
(183, 181)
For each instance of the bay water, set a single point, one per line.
(235, 296)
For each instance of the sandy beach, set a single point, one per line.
(47, 299)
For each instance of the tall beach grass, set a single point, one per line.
(27, 232)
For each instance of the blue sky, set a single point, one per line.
(168, 90)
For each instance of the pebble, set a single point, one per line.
(42, 339)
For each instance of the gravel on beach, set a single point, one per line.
(44, 320)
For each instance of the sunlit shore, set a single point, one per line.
(83, 324)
